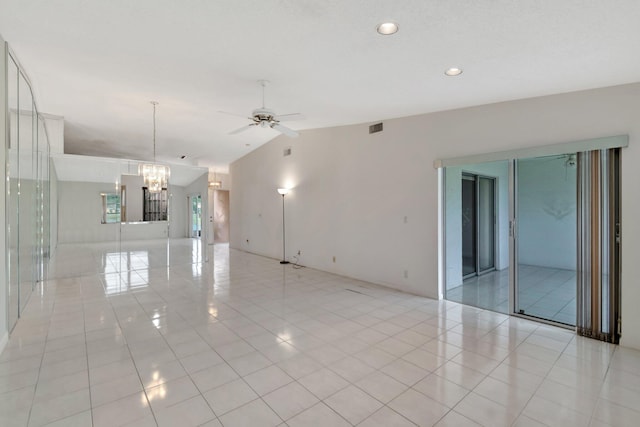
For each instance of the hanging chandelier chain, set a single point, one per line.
(154, 103)
(155, 176)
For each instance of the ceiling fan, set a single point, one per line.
(570, 159)
(264, 117)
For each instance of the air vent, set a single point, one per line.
(287, 152)
(375, 128)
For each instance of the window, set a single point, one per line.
(154, 205)
(110, 208)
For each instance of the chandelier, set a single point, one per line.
(155, 176)
(215, 183)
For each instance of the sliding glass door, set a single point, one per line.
(469, 222)
(478, 224)
(477, 240)
(538, 237)
(486, 224)
(545, 238)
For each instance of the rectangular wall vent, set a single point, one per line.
(287, 152)
(375, 128)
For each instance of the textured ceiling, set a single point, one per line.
(99, 63)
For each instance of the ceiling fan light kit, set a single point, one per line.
(265, 117)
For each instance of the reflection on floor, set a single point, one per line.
(74, 260)
(548, 293)
(244, 341)
(489, 291)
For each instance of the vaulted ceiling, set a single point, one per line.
(99, 63)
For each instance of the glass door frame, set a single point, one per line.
(476, 178)
(513, 250)
(614, 141)
(513, 244)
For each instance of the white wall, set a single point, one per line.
(134, 197)
(55, 132)
(177, 212)
(352, 190)
(80, 213)
(453, 210)
(144, 230)
(80, 216)
(547, 213)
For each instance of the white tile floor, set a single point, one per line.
(546, 293)
(244, 341)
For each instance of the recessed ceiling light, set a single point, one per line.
(387, 28)
(453, 71)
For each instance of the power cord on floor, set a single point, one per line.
(295, 262)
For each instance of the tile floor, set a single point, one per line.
(489, 291)
(547, 293)
(244, 341)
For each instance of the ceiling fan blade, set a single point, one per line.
(234, 114)
(242, 129)
(285, 130)
(290, 117)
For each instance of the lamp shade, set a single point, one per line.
(283, 191)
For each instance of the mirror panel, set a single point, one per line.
(12, 195)
(104, 204)
(27, 173)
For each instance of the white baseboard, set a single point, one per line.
(3, 341)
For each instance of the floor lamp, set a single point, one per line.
(283, 192)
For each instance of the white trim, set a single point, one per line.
(540, 151)
(442, 248)
(129, 162)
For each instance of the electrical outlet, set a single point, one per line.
(406, 274)
(334, 258)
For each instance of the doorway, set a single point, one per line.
(477, 235)
(195, 215)
(516, 238)
(478, 224)
(221, 216)
(555, 255)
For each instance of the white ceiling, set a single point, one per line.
(99, 63)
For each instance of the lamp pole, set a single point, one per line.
(283, 192)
